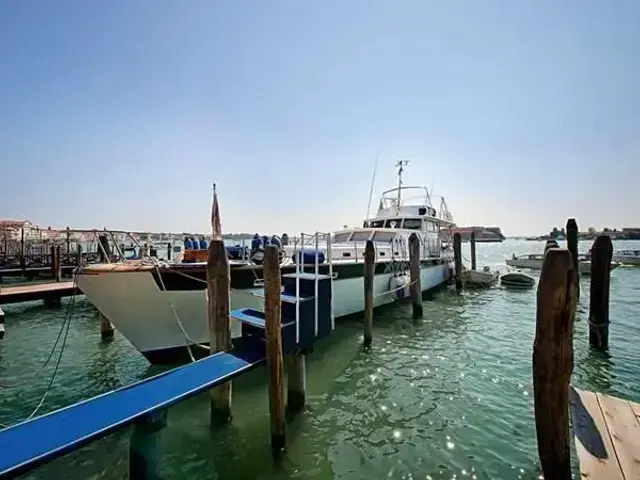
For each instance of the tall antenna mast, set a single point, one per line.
(400, 164)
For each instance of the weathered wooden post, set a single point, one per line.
(472, 242)
(457, 258)
(601, 254)
(23, 261)
(106, 327)
(145, 446)
(104, 249)
(58, 263)
(550, 244)
(218, 304)
(1, 324)
(369, 273)
(572, 245)
(296, 382)
(414, 271)
(78, 256)
(68, 244)
(553, 362)
(272, 292)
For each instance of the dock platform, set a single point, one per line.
(37, 291)
(35, 442)
(607, 435)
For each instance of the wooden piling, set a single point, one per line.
(106, 327)
(601, 254)
(571, 230)
(1, 324)
(553, 362)
(457, 258)
(414, 271)
(272, 292)
(296, 382)
(57, 268)
(78, 256)
(23, 262)
(104, 249)
(145, 446)
(369, 273)
(472, 242)
(218, 305)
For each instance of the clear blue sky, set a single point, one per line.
(122, 113)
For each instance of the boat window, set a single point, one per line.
(360, 236)
(376, 224)
(413, 223)
(393, 223)
(383, 237)
(341, 237)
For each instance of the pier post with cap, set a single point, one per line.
(553, 362)
(572, 245)
(472, 243)
(219, 323)
(601, 254)
(414, 270)
(457, 258)
(273, 324)
(369, 273)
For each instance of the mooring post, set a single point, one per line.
(369, 273)
(601, 254)
(104, 249)
(52, 255)
(572, 245)
(23, 262)
(106, 327)
(272, 291)
(472, 242)
(58, 263)
(68, 245)
(218, 305)
(78, 256)
(414, 271)
(1, 324)
(145, 446)
(457, 258)
(296, 382)
(550, 244)
(553, 362)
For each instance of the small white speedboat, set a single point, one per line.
(517, 280)
(534, 262)
(627, 257)
(480, 278)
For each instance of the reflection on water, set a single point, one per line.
(448, 396)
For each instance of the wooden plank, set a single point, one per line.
(636, 410)
(625, 433)
(595, 450)
(36, 287)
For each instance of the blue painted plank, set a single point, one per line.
(249, 316)
(34, 442)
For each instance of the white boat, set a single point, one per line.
(517, 280)
(160, 307)
(627, 257)
(480, 278)
(534, 261)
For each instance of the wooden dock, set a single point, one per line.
(607, 435)
(37, 291)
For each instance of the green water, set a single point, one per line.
(448, 397)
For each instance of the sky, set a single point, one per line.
(122, 114)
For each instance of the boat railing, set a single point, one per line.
(299, 256)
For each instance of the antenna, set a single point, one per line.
(400, 164)
(373, 181)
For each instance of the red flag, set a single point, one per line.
(215, 216)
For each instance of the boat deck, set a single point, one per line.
(607, 435)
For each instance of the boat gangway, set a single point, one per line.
(35, 442)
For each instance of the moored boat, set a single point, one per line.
(534, 261)
(627, 257)
(517, 280)
(480, 278)
(160, 307)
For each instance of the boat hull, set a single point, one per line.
(147, 315)
(534, 264)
